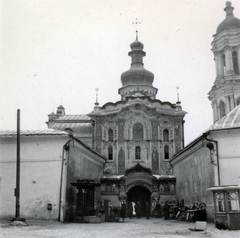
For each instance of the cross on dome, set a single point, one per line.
(136, 23)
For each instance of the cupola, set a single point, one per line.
(137, 81)
(230, 21)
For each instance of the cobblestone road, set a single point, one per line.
(154, 228)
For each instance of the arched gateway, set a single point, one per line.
(139, 185)
(139, 194)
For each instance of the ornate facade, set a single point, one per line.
(138, 135)
(225, 93)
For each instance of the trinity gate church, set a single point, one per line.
(131, 150)
(137, 135)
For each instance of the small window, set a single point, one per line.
(137, 153)
(165, 135)
(166, 152)
(233, 201)
(219, 202)
(138, 131)
(110, 135)
(235, 63)
(110, 152)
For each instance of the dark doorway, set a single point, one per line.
(141, 194)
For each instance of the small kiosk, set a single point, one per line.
(85, 200)
(227, 206)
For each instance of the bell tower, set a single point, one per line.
(225, 93)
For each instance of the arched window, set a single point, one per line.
(222, 109)
(224, 63)
(166, 152)
(165, 135)
(137, 153)
(110, 135)
(138, 131)
(235, 62)
(110, 152)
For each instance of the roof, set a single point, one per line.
(75, 117)
(79, 123)
(90, 148)
(231, 120)
(164, 177)
(79, 128)
(11, 133)
(112, 177)
(224, 187)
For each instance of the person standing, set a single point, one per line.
(123, 211)
(166, 211)
(130, 210)
(138, 210)
(147, 210)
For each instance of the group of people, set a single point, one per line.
(137, 208)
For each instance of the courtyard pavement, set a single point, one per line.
(152, 228)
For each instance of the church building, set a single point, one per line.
(138, 135)
(131, 150)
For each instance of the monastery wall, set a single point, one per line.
(195, 173)
(40, 172)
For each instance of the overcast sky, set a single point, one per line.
(57, 52)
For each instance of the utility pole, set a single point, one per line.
(17, 189)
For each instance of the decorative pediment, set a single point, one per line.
(138, 169)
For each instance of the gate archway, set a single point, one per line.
(139, 194)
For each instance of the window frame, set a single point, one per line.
(138, 152)
(110, 152)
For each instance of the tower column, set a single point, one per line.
(218, 112)
(232, 101)
(219, 65)
(238, 56)
(227, 104)
(229, 63)
(215, 111)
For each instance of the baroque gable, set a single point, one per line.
(137, 117)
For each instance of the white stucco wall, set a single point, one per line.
(195, 172)
(229, 155)
(40, 172)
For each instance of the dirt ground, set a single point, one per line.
(154, 228)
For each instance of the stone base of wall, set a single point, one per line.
(92, 219)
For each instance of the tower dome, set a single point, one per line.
(230, 21)
(137, 81)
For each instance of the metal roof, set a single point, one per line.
(9, 133)
(77, 117)
(231, 120)
(82, 128)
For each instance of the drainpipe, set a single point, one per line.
(61, 181)
(210, 146)
(17, 189)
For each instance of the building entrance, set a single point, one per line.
(139, 194)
